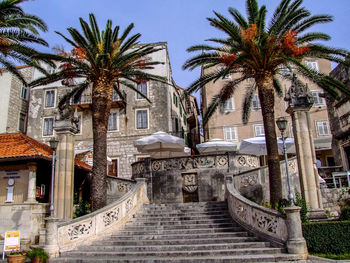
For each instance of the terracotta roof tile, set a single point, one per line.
(14, 145)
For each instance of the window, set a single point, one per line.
(230, 133)
(141, 119)
(79, 123)
(48, 127)
(318, 101)
(180, 110)
(312, 64)
(22, 122)
(115, 96)
(322, 128)
(285, 71)
(256, 102)
(24, 93)
(176, 125)
(113, 168)
(222, 68)
(175, 99)
(185, 120)
(50, 99)
(259, 130)
(141, 87)
(113, 121)
(229, 105)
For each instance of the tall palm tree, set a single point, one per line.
(17, 30)
(104, 60)
(254, 50)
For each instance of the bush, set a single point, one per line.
(299, 201)
(38, 253)
(327, 237)
(82, 208)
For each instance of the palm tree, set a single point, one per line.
(254, 50)
(104, 61)
(17, 30)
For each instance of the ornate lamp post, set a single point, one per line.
(53, 144)
(282, 125)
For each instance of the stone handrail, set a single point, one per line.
(280, 230)
(64, 236)
(210, 161)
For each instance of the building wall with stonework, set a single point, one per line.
(340, 118)
(161, 116)
(226, 123)
(14, 101)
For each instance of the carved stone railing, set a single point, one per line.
(248, 181)
(117, 187)
(218, 161)
(281, 230)
(64, 236)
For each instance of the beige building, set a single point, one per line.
(14, 100)
(167, 113)
(226, 122)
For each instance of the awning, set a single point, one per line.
(323, 143)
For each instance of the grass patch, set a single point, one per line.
(333, 256)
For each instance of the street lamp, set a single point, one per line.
(53, 144)
(282, 125)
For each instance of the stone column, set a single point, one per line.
(64, 174)
(51, 238)
(31, 183)
(296, 243)
(300, 101)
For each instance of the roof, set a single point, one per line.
(20, 146)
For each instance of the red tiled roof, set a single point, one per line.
(82, 165)
(14, 145)
(19, 145)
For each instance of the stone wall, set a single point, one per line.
(191, 178)
(26, 218)
(331, 198)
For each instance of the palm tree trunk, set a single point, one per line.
(267, 101)
(101, 105)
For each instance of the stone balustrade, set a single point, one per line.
(63, 236)
(281, 230)
(117, 187)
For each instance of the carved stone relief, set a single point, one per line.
(189, 182)
(79, 230)
(111, 216)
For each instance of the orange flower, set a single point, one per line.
(228, 59)
(79, 53)
(250, 32)
(289, 46)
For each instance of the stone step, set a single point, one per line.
(184, 218)
(185, 205)
(190, 236)
(180, 231)
(157, 248)
(183, 241)
(184, 214)
(204, 259)
(174, 227)
(167, 253)
(180, 222)
(194, 209)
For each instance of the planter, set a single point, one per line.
(37, 260)
(16, 258)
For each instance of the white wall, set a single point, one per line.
(5, 87)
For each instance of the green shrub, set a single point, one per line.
(345, 214)
(82, 208)
(299, 201)
(327, 237)
(38, 253)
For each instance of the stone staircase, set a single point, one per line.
(191, 232)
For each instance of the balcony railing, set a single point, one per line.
(86, 100)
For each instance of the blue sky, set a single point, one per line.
(180, 23)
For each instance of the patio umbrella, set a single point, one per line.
(216, 146)
(257, 146)
(161, 144)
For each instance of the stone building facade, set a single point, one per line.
(226, 123)
(167, 112)
(14, 101)
(339, 115)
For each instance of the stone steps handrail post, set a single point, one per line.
(66, 235)
(280, 230)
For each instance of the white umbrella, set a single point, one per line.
(257, 146)
(161, 144)
(216, 146)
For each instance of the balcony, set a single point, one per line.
(85, 101)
